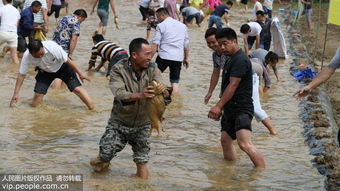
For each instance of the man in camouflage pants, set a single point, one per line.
(130, 81)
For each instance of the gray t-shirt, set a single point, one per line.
(56, 2)
(187, 11)
(261, 55)
(261, 71)
(335, 62)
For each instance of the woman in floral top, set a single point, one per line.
(152, 22)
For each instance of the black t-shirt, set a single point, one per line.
(265, 34)
(239, 66)
(308, 6)
(220, 10)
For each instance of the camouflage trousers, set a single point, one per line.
(116, 137)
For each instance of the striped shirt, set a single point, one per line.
(105, 49)
(38, 17)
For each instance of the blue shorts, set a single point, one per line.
(197, 16)
(103, 16)
(214, 19)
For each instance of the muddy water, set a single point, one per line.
(61, 136)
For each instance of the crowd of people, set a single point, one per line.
(130, 73)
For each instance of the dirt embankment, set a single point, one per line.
(317, 111)
(314, 43)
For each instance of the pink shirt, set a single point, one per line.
(170, 5)
(213, 3)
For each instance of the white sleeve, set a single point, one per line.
(60, 54)
(335, 62)
(18, 15)
(43, 4)
(25, 62)
(259, 29)
(158, 35)
(56, 50)
(27, 4)
(186, 38)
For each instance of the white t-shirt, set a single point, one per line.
(51, 62)
(161, 3)
(145, 3)
(38, 17)
(257, 4)
(9, 18)
(172, 38)
(255, 29)
(268, 4)
(1, 4)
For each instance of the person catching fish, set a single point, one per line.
(131, 82)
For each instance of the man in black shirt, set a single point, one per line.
(265, 35)
(221, 10)
(236, 101)
(308, 11)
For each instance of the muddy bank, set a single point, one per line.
(332, 88)
(320, 128)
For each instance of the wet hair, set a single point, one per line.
(34, 46)
(244, 28)
(210, 31)
(230, 3)
(227, 33)
(150, 12)
(98, 38)
(36, 4)
(271, 57)
(162, 11)
(136, 45)
(80, 13)
(260, 12)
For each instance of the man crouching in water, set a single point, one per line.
(51, 62)
(130, 81)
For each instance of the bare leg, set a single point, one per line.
(20, 54)
(4, 51)
(98, 165)
(84, 96)
(56, 84)
(245, 144)
(14, 55)
(261, 93)
(104, 31)
(37, 99)
(98, 28)
(175, 89)
(309, 26)
(142, 170)
(66, 8)
(229, 152)
(268, 123)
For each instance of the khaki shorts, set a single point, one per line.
(11, 38)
